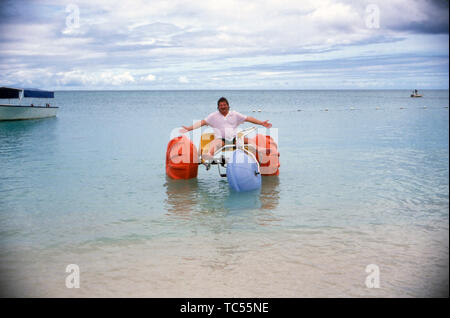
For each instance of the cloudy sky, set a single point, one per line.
(224, 44)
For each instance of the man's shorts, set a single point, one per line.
(229, 142)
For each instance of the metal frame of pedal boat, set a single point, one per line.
(221, 161)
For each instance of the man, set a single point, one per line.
(225, 123)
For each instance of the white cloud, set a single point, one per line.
(83, 78)
(118, 79)
(183, 79)
(148, 78)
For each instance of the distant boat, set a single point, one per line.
(416, 94)
(31, 111)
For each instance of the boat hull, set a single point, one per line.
(242, 172)
(181, 158)
(15, 112)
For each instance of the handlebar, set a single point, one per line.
(245, 132)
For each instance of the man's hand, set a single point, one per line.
(266, 124)
(196, 125)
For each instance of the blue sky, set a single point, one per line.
(245, 44)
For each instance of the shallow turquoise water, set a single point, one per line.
(96, 174)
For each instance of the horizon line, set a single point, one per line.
(251, 89)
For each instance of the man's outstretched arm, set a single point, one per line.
(258, 122)
(196, 125)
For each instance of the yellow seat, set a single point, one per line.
(205, 141)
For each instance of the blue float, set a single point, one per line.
(242, 172)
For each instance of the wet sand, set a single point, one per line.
(327, 262)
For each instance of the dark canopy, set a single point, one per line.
(9, 92)
(6, 92)
(37, 93)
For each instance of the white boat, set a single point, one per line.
(30, 111)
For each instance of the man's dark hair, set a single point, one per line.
(222, 99)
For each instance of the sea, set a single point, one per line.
(360, 207)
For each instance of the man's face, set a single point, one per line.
(223, 107)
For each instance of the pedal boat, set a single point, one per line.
(244, 163)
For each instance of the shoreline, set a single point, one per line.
(296, 263)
